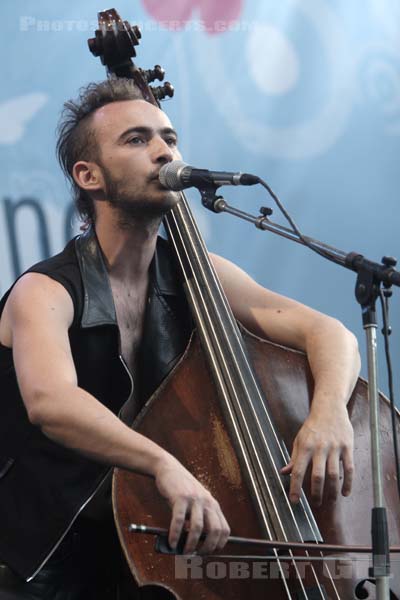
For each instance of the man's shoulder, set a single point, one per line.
(62, 268)
(37, 288)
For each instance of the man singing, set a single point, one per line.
(64, 325)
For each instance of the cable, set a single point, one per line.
(295, 228)
(385, 332)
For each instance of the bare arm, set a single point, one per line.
(326, 437)
(74, 418)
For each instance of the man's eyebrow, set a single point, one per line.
(148, 131)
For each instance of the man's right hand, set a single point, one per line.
(190, 501)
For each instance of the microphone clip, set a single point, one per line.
(211, 200)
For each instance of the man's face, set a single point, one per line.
(135, 139)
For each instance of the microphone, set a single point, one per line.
(177, 175)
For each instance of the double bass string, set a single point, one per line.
(205, 314)
(208, 347)
(235, 331)
(234, 328)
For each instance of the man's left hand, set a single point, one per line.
(323, 440)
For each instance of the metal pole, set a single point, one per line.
(380, 568)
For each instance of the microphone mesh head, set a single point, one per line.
(170, 175)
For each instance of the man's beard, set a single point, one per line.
(133, 208)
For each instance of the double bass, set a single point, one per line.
(229, 411)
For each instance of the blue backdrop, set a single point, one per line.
(305, 93)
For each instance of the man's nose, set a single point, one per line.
(161, 151)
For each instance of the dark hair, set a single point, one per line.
(76, 139)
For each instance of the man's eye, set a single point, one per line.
(136, 140)
(171, 141)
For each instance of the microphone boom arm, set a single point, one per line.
(384, 273)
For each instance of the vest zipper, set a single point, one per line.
(121, 358)
(97, 487)
(69, 527)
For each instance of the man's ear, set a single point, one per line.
(88, 176)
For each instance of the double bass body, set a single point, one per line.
(185, 417)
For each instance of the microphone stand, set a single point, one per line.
(370, 276)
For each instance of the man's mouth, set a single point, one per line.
(156, 179)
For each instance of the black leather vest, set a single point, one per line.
(44, 486)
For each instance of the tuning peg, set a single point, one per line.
(134, 33)
(161, 91)
(152, 74)
(389, 261)
(96, 44)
